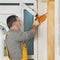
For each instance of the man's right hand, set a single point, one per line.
(39, 20)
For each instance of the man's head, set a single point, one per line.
(13, 22)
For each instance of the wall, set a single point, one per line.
(57, 30)
(42, 32)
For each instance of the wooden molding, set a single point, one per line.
(50, 30)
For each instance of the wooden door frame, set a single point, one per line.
(51, 27)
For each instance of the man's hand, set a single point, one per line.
(39, 20)
(34, 28)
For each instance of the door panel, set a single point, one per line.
(28, 20)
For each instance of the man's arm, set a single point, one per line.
(20, 36)
(28, 34)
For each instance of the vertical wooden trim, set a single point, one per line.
(50, 30)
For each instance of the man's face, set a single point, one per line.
(18, 23)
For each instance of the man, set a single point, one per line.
(16, 36)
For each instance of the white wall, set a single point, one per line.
(57, 29)
(42, 32)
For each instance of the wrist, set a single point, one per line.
(36, 23)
